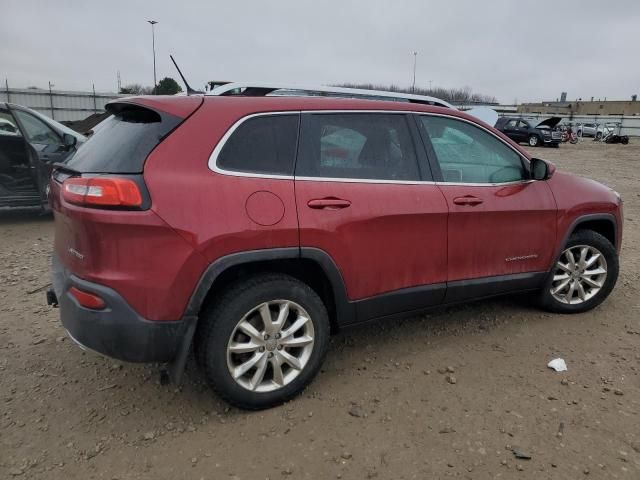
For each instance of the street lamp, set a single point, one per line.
(153, 40)
(51, 85)
(415, 59)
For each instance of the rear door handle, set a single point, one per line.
(468, 200)
(329, 203)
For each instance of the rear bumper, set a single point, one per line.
(116, 331)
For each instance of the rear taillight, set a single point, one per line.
(102, 192)
(87, 300)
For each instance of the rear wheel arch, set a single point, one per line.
(311, 266)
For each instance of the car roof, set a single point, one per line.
(298, 103)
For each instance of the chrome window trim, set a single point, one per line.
(213, 158)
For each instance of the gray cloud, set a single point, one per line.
(524, 50)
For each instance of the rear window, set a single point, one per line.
(123, 141)
(263, 145)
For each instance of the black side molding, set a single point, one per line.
(398, 302)
(478, 288)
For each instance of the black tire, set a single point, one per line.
(598, 136)
(219, 321)
(534, 141)
(593, 239)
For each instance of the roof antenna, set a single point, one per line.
(190, 91)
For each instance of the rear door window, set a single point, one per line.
(265, 144)
(374, 146)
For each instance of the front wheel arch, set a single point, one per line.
(602, 223)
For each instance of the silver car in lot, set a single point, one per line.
(587, 130)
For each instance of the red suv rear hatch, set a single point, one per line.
(105, 229)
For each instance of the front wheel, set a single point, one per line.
(583, 276)
(263, 340)
(534, 141)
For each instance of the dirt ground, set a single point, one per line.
(384, 406)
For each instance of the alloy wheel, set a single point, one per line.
(579, 275)
(270, 346)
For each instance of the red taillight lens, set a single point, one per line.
(88, 300)
(102, 192)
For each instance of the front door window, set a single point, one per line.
(468, 154)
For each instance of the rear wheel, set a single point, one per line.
(263, 341)
(534, 141)
(583, 276)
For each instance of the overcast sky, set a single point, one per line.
(520, 50)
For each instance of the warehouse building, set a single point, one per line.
(581, 108)
(58, 104)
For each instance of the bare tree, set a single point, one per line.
(452, 95)
(136, 89)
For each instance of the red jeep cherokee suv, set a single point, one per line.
(252, 226)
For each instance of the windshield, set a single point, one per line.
(58, 126)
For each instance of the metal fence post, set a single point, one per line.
(95, 108)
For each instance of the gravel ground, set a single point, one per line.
(449, 394)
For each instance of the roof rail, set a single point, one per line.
(256, 89)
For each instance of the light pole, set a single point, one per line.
(415, 59)
(51, 85)
(153, 40)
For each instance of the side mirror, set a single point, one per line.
(69, 141)
(539, 169)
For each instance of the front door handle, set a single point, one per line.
(329, 203)
(468, 200)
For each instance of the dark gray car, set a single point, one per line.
(30, 143)
(534, 132)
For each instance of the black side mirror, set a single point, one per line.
(69, 141)
(539, 169)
